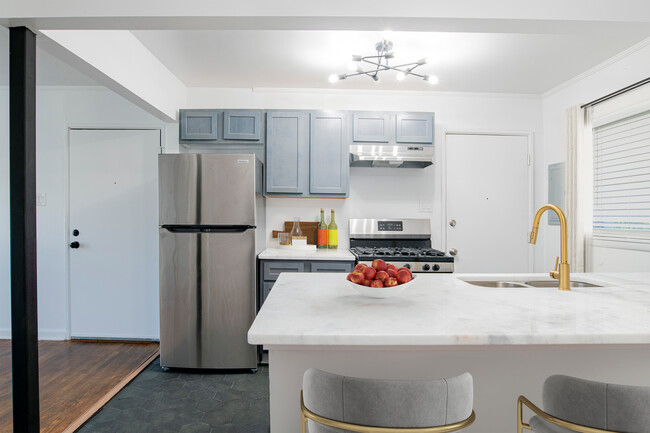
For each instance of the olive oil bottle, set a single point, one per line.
(321, 233)
(332, 234)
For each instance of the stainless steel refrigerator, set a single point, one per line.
(211, 229)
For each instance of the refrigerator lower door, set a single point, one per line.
(207, 299)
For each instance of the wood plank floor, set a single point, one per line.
(75, 377)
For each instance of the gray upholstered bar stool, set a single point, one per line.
(331, 403)
(572, 404)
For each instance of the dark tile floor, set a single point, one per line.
(187, 402)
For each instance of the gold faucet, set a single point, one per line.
(563, 274)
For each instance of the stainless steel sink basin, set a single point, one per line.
(547, 283)
(527, 284)
(497, 284)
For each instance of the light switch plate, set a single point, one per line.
(426, 205)
(41, 199)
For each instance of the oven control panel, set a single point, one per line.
(390, 226)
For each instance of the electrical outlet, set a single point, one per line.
(41, 199)
(426, 205)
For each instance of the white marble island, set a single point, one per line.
(510, 339)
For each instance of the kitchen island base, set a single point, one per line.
(501, 372)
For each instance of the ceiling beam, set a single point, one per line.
(558, 10)
(119, 61)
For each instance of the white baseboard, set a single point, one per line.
(43, 334)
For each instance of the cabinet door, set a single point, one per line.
(199, 124)
(271, 269)
(371, 127)
(266, 289)
(329, 160)
(332, 266)
(287, 152)
(414, 128)
(242, 125)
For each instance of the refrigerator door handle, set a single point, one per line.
(207, 229)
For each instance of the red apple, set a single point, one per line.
(406, 269)
(366, 283)
(403, 276)
(379, 265)
(348, 277)
(382, 276)
(391, 266)
(391, 282)
(376, 283)
(369, 273)
(360, 266)
(391, 272)
(357, 277)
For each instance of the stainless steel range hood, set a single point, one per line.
(405, 156)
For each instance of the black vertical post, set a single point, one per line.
(22, 168)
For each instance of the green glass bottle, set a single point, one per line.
(321, 233)
(332, 234)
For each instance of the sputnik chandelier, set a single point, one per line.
(379, 63)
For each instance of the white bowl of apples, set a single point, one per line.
(381, 280)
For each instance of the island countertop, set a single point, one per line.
(321, 309)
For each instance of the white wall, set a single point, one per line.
(57, 109)
(628, 67)
(384, 192)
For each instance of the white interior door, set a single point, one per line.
(114, 207)
(488, 202)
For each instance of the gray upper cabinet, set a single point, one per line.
(371, 127)
(242, 125)
(414, 128)
(199, 124)
(287, 152)
(329, 167)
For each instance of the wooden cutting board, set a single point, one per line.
(308, 228)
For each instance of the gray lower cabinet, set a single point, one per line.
(287, 152)
(199, 125)
(271, 269)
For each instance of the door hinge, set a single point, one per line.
(528, 157)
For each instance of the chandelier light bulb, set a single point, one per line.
(333, 78)
(431, 79)
(356, 58)
(423, 61)
(400, 76)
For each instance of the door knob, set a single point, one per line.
(74, 244)
(453, 251)
(452, 223)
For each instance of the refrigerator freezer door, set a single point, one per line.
(207, 299)
(207, 189)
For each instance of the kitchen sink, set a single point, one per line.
(553, 283)
(497, 284)
(526, 284)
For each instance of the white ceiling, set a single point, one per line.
(464, 62)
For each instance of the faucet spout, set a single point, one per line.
(563, 274)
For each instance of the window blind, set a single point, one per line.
(622, 177)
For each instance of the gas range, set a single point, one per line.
(404, 242)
